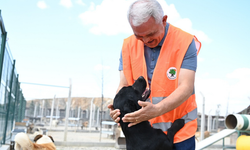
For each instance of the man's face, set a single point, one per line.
(150, 33)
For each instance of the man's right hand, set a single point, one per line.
(114, 114)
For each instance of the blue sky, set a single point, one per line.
(53, 41)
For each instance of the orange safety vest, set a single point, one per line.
(165, 77)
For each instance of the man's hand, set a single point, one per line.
(148, 111)
(114, 114)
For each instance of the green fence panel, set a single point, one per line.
(10, 113)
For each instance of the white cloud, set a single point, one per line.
(240, 88)
(240, 73)
(183, 23)
(233, 90)
(66, 3)
(40, 92)
(80, 2)
(215, 92)
(42, 5)
(200, 59)
(110, 18)
(101, 67)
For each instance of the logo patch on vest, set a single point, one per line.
(171, 73)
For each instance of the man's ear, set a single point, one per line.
(164, 20)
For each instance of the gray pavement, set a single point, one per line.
(80, 139)
(89, 139)
(85, 148)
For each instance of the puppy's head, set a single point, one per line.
(127, 98)
(42, 139)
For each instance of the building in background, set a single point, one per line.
(82, 109)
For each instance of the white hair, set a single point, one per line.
(141, 10)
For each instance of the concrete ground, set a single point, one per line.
(90, 139)
(218, 145)
(79, 139)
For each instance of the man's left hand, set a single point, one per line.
(148, 111)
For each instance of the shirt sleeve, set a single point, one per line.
(121, 63)
(190, 58)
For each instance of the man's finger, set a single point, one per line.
(116, 114)
(142, 104)
(117, 119)
(133, 114)
(132, 124)
(110, 106)
(128, 119)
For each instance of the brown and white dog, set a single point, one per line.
(42, 142)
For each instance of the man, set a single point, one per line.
(167, 57)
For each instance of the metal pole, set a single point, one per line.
(209, 121)
(2, 48)
(217, 116)
(42, 112)
(57, 109)
(78, 113)
(16, 101)
(101, 110)
(93, 119)
(90, 116)
(98, 117)
(67, 112)
(35, 110)
(78, 116)
(21, 109)
(51, 113)
(203, 118)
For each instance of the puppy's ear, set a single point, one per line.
(51, 138)
(37, 137)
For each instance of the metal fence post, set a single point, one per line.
(23, 110)
(4, 36)
(2, 52)
(16, 100)
(20, 108)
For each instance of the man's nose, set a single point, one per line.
(145, 39)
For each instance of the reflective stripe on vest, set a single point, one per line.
(188, 117)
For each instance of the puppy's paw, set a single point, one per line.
(179, 123)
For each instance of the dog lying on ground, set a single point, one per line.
(42, 142)
(142, 136)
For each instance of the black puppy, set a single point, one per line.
(142, 136)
